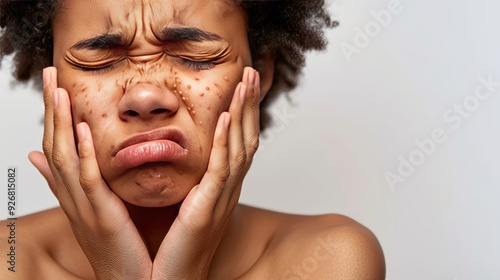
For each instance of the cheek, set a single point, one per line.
(204, 97)
(86, 101)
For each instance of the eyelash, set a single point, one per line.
(198, 65)
(97, 70)
(191, 64)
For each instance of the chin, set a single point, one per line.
(155, 184)
(155, 194)
(154, 187)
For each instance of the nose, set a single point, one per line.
(147, 101)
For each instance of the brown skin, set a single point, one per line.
(196, 230)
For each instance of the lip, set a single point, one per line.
(160, 145)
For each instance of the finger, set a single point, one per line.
(251, 115)
(250, 130)
(237, 153)
(212, 183)
(49, 85)
(91, 181)
(64, 156)
(237, 150)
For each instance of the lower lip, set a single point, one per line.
(151, 151)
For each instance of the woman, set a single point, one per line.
(152, 117)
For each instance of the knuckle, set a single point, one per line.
(223, 173)
(58, 122)
(47, 99)
(253, 146)
(58, 160)
(47, 146)
(241, 158)
(87, 182)
(201, 225)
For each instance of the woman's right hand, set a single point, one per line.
(99, 219)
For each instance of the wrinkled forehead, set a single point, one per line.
(134, 14)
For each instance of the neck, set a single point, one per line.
(152, 223)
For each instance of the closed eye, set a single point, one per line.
(198, 65)
(97, 70)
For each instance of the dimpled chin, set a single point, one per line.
(152, 186)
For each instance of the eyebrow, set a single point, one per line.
(104, 41)
(168, 34)
(176, 34)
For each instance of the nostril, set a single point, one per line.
(158, 111)
(131, 113)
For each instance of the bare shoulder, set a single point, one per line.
(33, 244)
(321, 247)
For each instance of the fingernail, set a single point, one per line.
(82, 132)
(255, 81)
(55, 97)
(245, 79)
(257, 86)
(227, 119)
(251, 77)
(46, 76)
(243, 91)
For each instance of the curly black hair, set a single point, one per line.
(285, 28)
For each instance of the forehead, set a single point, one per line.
(134, 14)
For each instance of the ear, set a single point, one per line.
(265, 67)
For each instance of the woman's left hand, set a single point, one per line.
(189, 246)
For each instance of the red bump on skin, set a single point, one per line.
(208, 108)
(216, 85)
(226, 78)
(220, 96)
(207, 88)
(87, 103)
(196, 79)
(188, 87)
(73, 85)
(86, 95)
(202, 94)
(91, 112)
(104, 115)
(83, 90)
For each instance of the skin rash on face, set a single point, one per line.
(140, 70)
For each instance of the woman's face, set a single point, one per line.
(150, 77)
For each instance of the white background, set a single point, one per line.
(348, 124)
